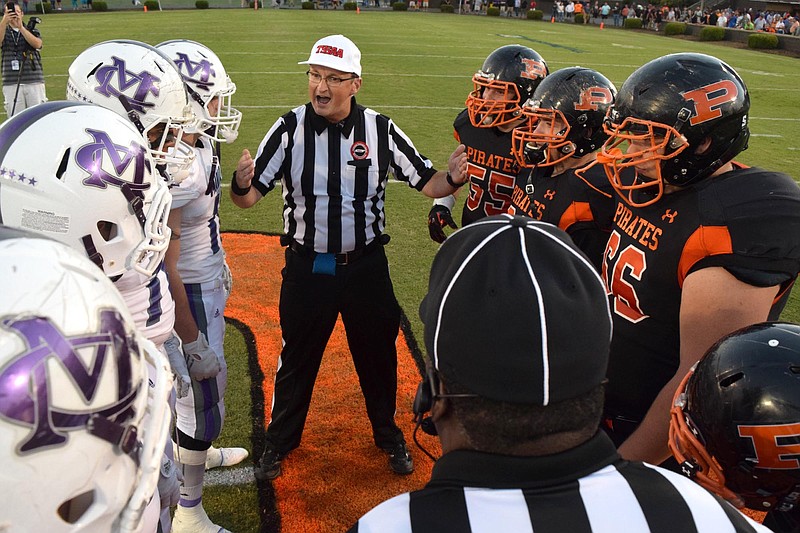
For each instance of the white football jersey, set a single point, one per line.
(150, 303)
(202, 258)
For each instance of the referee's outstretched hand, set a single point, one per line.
(457, 164)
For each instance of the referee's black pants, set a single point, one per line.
(309, 306)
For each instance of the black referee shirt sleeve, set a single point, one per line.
(407, 163)
(270, 156)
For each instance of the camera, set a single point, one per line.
(11, 7)
(32, 22)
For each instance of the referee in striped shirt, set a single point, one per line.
(332, 157)
(517, 329)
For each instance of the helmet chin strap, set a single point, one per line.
(91, 250)
(133, 116)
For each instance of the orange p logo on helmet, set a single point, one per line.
(707, 100)
(770, 453)
(533, 69)
(592, 97)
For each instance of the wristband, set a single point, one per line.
(452, 183)
(239, 191)
(448, 201)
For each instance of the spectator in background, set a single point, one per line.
(616, 12)
(23, 79)
(760, 22)
(569, 10)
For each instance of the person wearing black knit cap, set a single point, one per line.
(517, 330)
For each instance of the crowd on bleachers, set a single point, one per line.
(653, 16)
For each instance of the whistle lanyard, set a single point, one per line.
(15, 34)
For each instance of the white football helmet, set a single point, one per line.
(81, 432)
(137, 81)
(89, 183)
(206, 79)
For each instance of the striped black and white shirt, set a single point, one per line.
(16, 48)
(334, 176)
(586, 489)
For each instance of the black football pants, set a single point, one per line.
(309, 306)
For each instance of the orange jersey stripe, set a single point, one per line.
(704, 242)
(576, 212)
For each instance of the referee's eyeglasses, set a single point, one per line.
(332, 81)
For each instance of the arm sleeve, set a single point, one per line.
(270, 156)
(407, 163)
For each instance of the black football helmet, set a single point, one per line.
(567, 111)
(667, 109)
(735, 420)
(515, 70)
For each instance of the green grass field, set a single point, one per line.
(417, 69)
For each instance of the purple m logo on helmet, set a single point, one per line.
(200, 74)
(25, 382)
(144, 83)
(91, 156)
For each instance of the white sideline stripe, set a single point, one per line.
(242, 475)
(766, 135)
(465, 76)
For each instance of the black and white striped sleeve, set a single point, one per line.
(408, 164)
(271, 153)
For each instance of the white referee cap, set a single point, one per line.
(336, 52)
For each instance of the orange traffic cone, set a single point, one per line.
(358, 10)
(602, 25)
(145, 9)
(552, 20)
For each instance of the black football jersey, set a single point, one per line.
(491, 168)
(584, 208)
(746, 220)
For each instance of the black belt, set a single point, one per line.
(344, 258)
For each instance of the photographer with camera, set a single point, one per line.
(23, 78)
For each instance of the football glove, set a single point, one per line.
(201, 359)
(438, 218)
(169, 483)
(177, 362)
